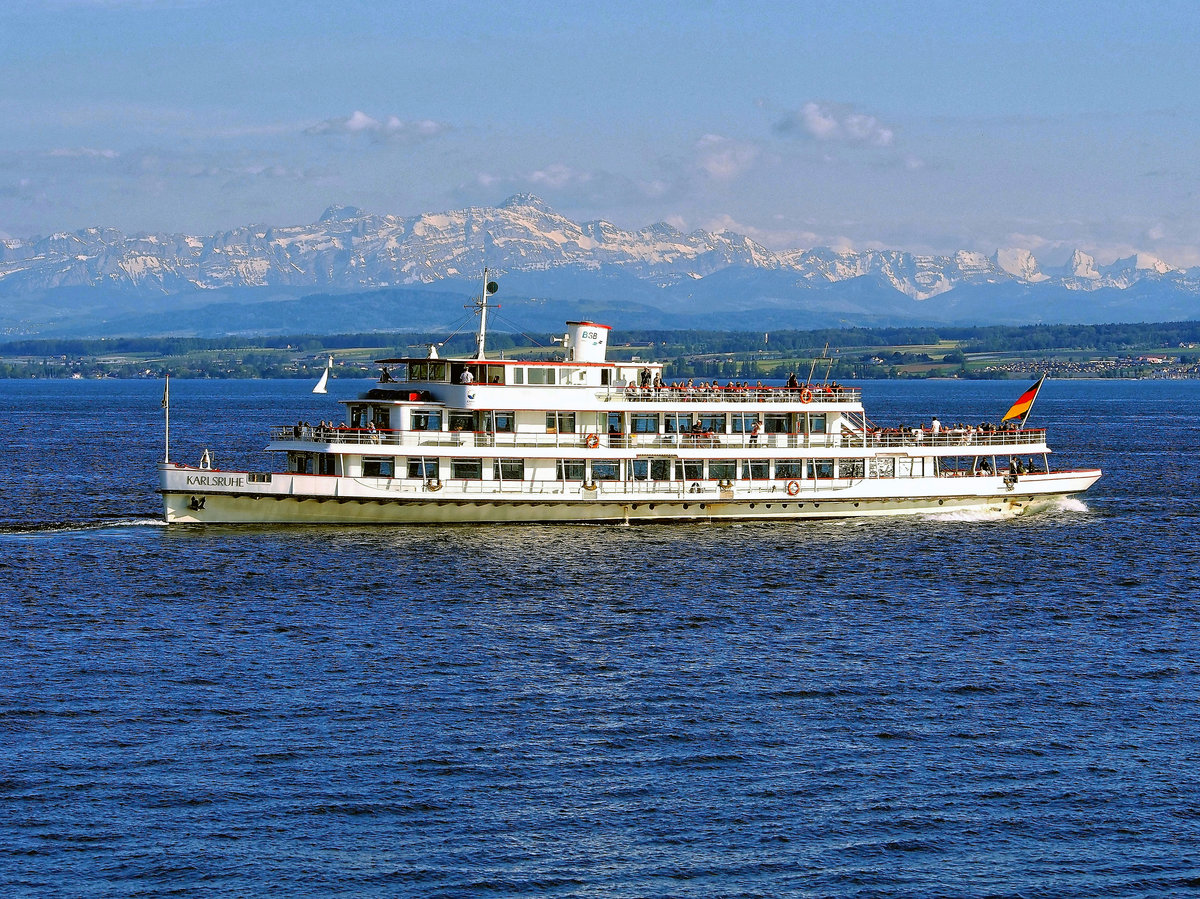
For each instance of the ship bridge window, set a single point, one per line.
(570, 469)
(541, 375)
(508, 469)
(606, 470)
(467, 469)
(426, 420)
(378, 467)
(560, 422)
(644, 422)
(756, 471)
(427, 371)
(423, 468)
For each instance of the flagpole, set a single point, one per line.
(166, 404)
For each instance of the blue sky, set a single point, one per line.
(922, 126)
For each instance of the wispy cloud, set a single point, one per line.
(835, 123)
(723, 158)
(392, 128)
(83, 153)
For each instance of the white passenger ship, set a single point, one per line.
(585, 439)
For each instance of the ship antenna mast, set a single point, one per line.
(489, 288)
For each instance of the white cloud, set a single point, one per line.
(83, 153)
(723, 158)
(391, 129)
(829, 122)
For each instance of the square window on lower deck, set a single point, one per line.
(508, 469)
(423, 468)
(467, 469)
(722, 471)
(570, 469)
(606, 470)
(756, 471)
(378, 467)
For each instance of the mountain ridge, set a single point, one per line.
(47, 280)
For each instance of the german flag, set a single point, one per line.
(1020, 409)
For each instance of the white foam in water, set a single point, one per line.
(974, 515)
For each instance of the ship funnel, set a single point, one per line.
(586, 341)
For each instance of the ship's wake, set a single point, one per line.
(33, 528)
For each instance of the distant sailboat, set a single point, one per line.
(320, 388)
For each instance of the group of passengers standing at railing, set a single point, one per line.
(648, 386)
(937, 433)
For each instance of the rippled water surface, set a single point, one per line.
(943, 706)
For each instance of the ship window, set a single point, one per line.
(418, 371)
(468, 469)
(820, 468)
(816, 423)
(326, 463)
(775, 423)
(300, 463)
(722, 470)
(504, 422)
(712, 423)
(614, 422)
(688, 470)
(644, 422)
(605, 377)
(424, 420)
(850, 468)
(423, 468)
(378, 467)
(789, 468)
(570, 470)
(462, 421)
(883, 468)
(756, 471)
(495, 374)
(910, 468)
(541, 375)
(677, 422)
(381, 417)
(517, 375)
(743, 422)
(508, 469)
(606, 470)
(560, 422)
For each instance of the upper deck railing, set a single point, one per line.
(902, 438)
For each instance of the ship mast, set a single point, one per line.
(489, 288)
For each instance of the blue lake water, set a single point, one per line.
(943, 706)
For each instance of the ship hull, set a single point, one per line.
(193, 496)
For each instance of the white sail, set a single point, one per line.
(320, 388)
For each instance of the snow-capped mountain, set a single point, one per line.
(348, 250)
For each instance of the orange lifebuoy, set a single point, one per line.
(793, 488)
(592, 441)
(805, 395)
